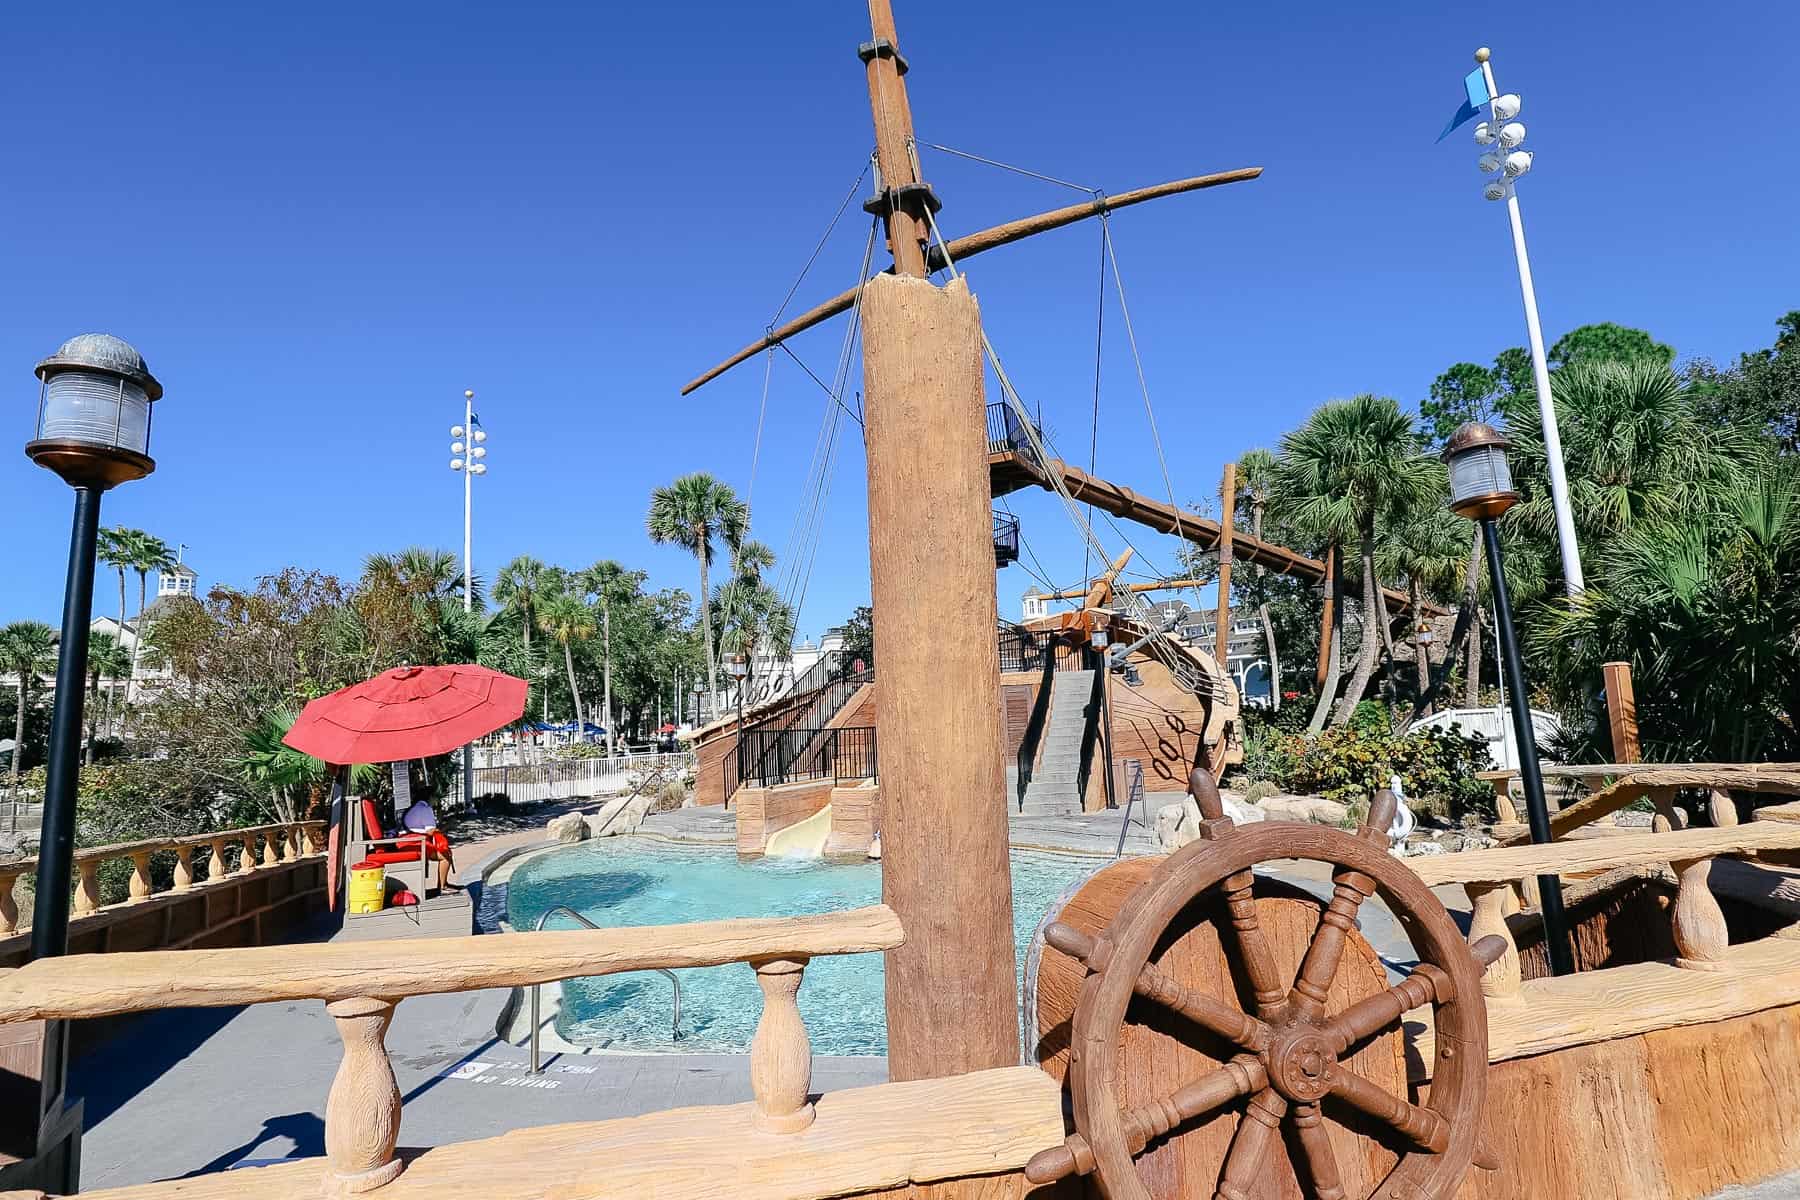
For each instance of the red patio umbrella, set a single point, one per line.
(408, 712)
(667, 729)
(404, 713)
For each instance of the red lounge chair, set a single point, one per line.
(408, 848)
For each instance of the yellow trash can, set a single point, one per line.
(368, 887)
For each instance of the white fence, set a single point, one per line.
(571, 778)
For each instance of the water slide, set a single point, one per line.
(803, 839)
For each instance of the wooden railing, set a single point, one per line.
(254, 848)
(1708, 980)
(361, 982)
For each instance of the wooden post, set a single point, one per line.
(780, 1054)
(951, 997)
(1621, 711)
(362, 1114)
(893, 142)
(1227, 514)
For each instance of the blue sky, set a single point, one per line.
(321, 223)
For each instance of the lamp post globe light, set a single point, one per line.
(1481, 489)
(1504, 164)
(466, 455)
(93, 429)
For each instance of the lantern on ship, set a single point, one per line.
(1481, 485)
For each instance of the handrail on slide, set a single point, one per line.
(536, 1066)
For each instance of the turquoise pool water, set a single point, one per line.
(627, 881)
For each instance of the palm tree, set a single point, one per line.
(107, 659)
(1635, 449)
(148, 553)
(748, 612)
(606, 581)
(1704, 608)
(568, 620)
(1423, 548)
(27, 649)
(115, 552)
(1349, 463)
(517, 588)
(689, 513)
(1255, 479)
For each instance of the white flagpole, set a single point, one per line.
(1573, 582)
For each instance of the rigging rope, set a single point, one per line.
(1141, 610)
(823, 238)
(1005, 166)
(1099, 341)
(1143, 387)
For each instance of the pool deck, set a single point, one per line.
(194, 1091)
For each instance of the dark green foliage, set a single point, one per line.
(1348, 764)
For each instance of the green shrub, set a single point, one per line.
(1261, 789)
(1347, 764)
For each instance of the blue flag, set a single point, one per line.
(1475, 85)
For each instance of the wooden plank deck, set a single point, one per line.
(447, 914)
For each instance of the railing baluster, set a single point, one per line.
(362, 1114)
(247, 861)
(87, 889)
(184, 868)
(271, 846)
(140, 876)
(780, 1053)
(1701, 937)
(1500, 982)
(215, 870)
(9, 907)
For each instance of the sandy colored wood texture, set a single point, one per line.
(1506, 864)
(864, 1139)
(1598, 1006)
(95, 985)
(1636, 780)
(951, 991)
(1668, 1115)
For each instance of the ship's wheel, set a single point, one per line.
(1289, 1060)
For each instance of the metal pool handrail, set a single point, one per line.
(536, 1066)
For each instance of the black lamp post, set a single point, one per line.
(93, 429)
(1481, 488)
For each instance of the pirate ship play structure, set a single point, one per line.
(1199, 1029)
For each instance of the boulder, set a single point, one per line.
(570, 827)
(620, 815)
(1177, 824)
(1241, 811)
(1315, 809)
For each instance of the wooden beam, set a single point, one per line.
(862, 1140)
(1203, 532)
(975, 243)
(104, 985)
(1101, 592)
(1558, 1012)
(888, 103)
(1750, 777)
(1506, 864)
(1326, 616)
(951, 998)
(1227, 518)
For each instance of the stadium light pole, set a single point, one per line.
(466, 457)
(1511, 163)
